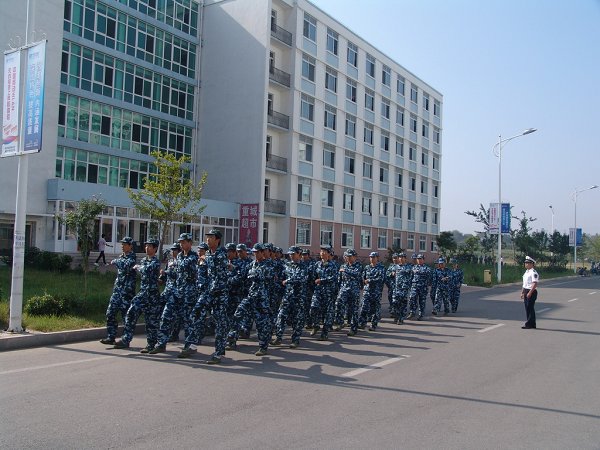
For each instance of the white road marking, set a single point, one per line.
(591, 293)
(490, 328)
(572, 300)
(49, 366)
(543, 310)
(378, 365)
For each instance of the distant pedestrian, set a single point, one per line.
(529, 292)
(102, 244)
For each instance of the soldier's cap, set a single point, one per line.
(185, 237)
(327, 248)
(350, 252)
(269, 246)
(420, 256)
(175, 246)
(241, 248)
(152, 241)
(127, 240)
(454, 260)
(402, 255)
(294, 249)
(214, 232)
(414, 256)
(373, 255)
(230, 247)
(529, 259)
(258, 247)
(395, 255)
(203, 246)
(441, 261)
(305, 251)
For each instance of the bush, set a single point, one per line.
(41, 259)
(48, 305)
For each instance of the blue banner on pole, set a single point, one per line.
(505, 218)
(34, 98)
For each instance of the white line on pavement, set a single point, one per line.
(49, 366)
(591, 293)
(572, 300)
(378, 365)
(490, 328)
(543, 310)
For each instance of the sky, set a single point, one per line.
(503, 66)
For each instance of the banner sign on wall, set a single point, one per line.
(249, 223)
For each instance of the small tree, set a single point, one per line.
(81, 220)
(523, 242)
(591, 246)
(486, 240)
(446, 243)
(169, 194)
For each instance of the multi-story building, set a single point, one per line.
(336, 142)
(282, 106)
(121, 81)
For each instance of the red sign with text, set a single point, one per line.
(249, 223)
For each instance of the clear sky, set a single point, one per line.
(503, 66)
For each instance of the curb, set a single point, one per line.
(10, 341)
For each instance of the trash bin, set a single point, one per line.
(487, 276)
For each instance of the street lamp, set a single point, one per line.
(497, 150)
(577, 191)
(552, 209)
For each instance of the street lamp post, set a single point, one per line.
(577, 191)
(552, 229)
(497, 150)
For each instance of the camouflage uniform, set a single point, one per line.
(292, 304)
(310, 289)
(458, 276)
(217, 297)
(421, 279)
(349, 295)
(146, 301)
(323, 299)
(371, 304)
(123, 292)
(200, 310)
(390, 275)
(441, 277)
(402, 283)
(169, 278)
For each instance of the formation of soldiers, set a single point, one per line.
(225, 288)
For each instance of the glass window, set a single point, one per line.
(310, 27)
(422, 243)
(384, 174)
(424, 216)
(327, 195)
(305, 148)
(307, 107)
(303, 233)
(383, 208)
(400, 116)
(410, 242)
(330, 117)
(436, 135)
(368, 133)
(331, 77)
(411, 211)
(326, 234)
(366, 203)
(425, 101)
(308, 67)
(368, 168)
(385, 108)
(386, 75)
(400, 147)
(332, 41)
(304, 185)
(351, 90)
(425, 130)
(397, 210)
(350, 126)
(329, 156)
(400, 83)
(399, 178)
(348, 200)
(349, 159)
(436, 108)
(347, 236)
(370, 66)
(365, 238)
(397, 239)
(352, 55)
(413, 184)
(369, 99)
(382, 239)
(414, 94)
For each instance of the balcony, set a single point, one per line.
(281, 35)
(279, 76)
(275, 206)
(277, 163)
(278, 119)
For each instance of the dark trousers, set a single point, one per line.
(530, 308)
(101, 255)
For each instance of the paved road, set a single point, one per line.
(474, 380)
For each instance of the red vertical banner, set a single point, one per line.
(249, 223)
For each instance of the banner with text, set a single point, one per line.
(10, 104)
(572, 237)
(34, 98)
(249, 223)
(499, 217)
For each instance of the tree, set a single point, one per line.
(486, 240)
(591, 247)
(558, 245)
(81, 220)
(467, 249)
(169, 194)
(523, 242)
(446, 243)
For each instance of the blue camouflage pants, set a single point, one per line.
(442, 297)
(400, 302)
(149, 305)
(348, 301)
(291, 309)
(119, 303)
(321, 307)
(418, 298)
(246, 308)
(371, 308)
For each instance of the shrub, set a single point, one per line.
(48, 305)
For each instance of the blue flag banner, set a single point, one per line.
(34, 97)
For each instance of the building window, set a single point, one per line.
(365, 238)
(331, 77)
(304, 185)
(399, 178)
(308, 67)
(422, 243)
(413, 184)
(326, 234)
(425, 101)
(349, 159)
(265, 231)
(310, 27)
(370, 67)
(327, 195)
(410, 212)
(352, 55)
(414, 94)
(435, 190)
(350, 126)
(348, 199)
(269, 145)
(305, 148)
(351, 90)
(397, 210)
(383, 208)
(369, 99)
(412, 153)
(424, 158)
(435, 163)
(400, 147)
(386, 75)
(368, 134)
(397, 240)
(434, 219)
(366, 203)
(385, 108)
(425, 130)
(423, 187)
(267, 190)
(424, 216)
(413, 123)
(347, 236)
(307, 107)
(436, 135)
(410, 242)
(368, 168)
(303, 233)
(329, 156)
(382, 239)
(400, 83)
(332, 41)
(436, 108)
(385, 141)
(400, 116)
(330, 117)
(384, 174)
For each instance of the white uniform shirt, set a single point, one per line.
(101, 244)
(529, 277)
